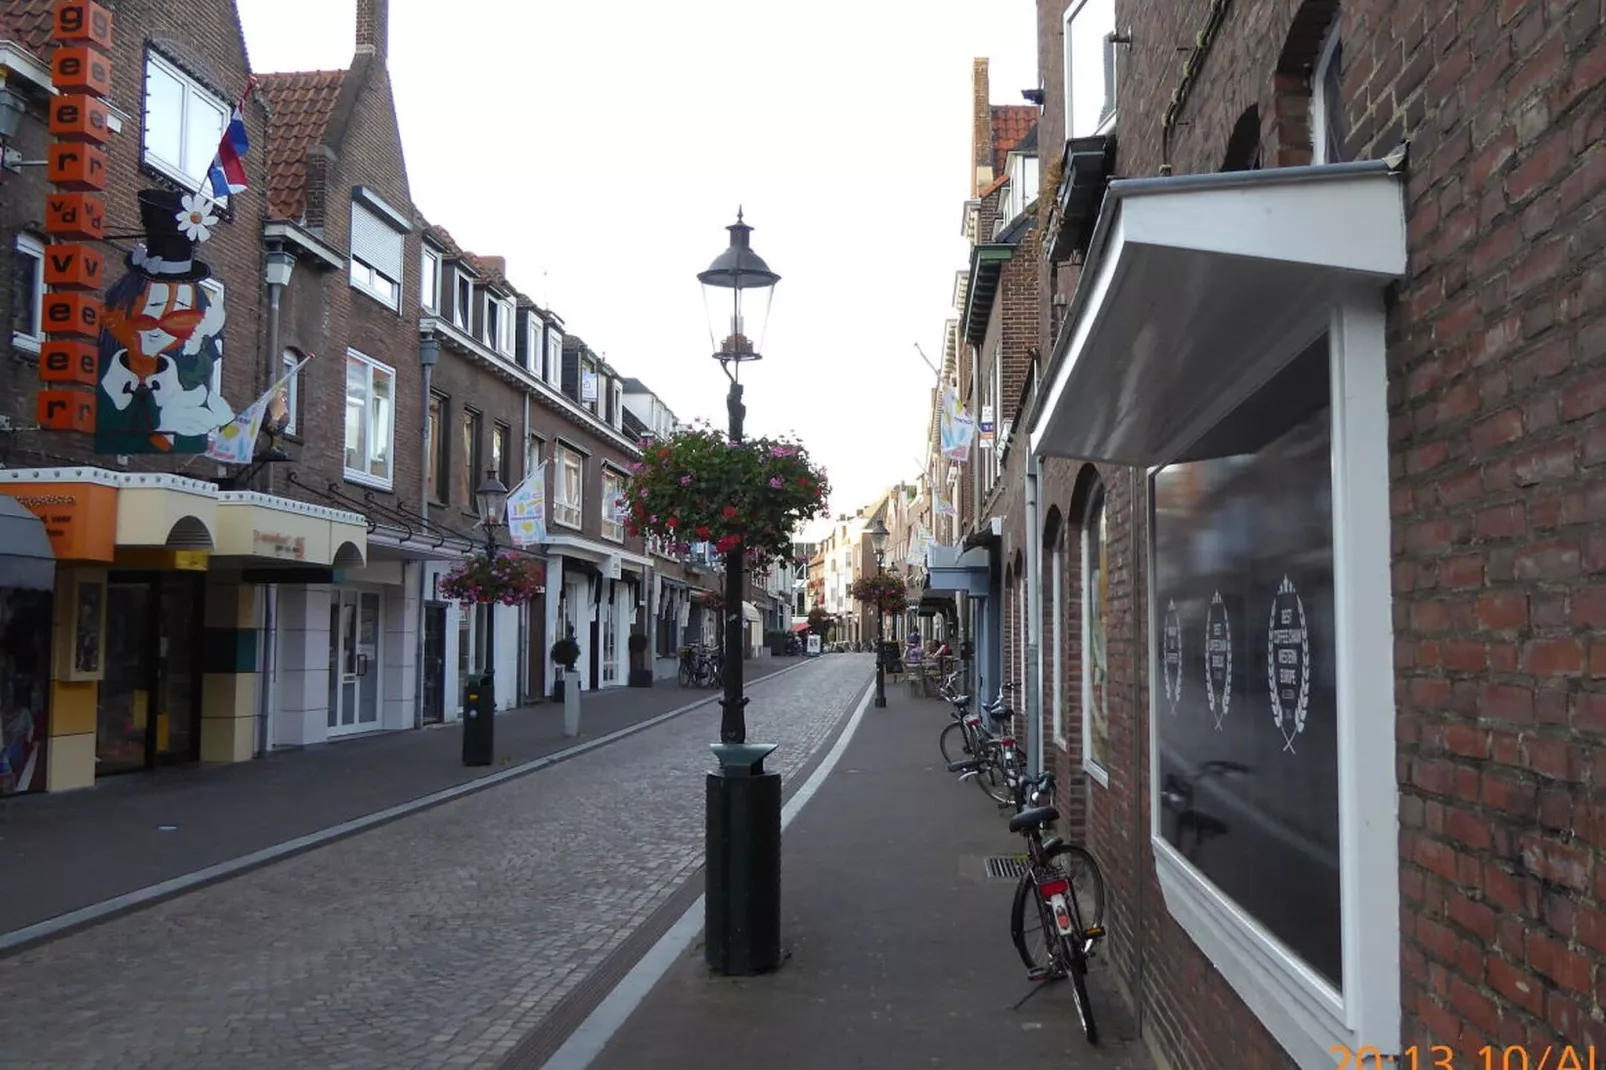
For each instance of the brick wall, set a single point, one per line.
(1497, 360)
(207, 45)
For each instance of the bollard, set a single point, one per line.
(742, 904)
(571, 704)
(479, 721)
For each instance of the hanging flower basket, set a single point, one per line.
(700, 486)
(885, 592)
(711, 600)
(509, 579)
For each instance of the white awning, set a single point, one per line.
(950, 571)
(1193, 285)
(750, 611)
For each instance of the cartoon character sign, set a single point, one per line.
(161, 340)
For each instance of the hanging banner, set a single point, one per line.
(235, 441)
(955, 426)
(526, 509)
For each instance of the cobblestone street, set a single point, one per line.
(439, 940)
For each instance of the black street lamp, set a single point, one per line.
(742, 904)
(479, 706)
(878, 544)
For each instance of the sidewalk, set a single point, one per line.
(63, 852)
(898, 940)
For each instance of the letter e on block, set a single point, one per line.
(79, 216)
(83, 22)
(81, 70)
(76, 166)
(74, 267)
(77, 117)
(66, 410)
(72, 315)
(67, 361)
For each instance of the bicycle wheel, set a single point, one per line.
(1076, 968)
(994, 780)
(687, 674)
(1028, 929)
(952, 744)
(1078, 864)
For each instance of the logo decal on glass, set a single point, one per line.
(1171, 655)
(1288, 663)
(1218, 658)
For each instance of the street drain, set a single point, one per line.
(1006, 867)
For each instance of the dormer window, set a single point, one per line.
(463, 305)
(429, 291)
(497, 329)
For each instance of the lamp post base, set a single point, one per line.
(742, 898)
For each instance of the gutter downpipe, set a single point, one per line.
(270, 593)
(1034, 619)
(521, 686)
(429, 354)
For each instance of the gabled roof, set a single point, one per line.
(1011, 124)
(29, 23)
(299, 106)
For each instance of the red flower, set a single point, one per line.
(729, 542)
(672, 523)
(729, 512)
(703, 532)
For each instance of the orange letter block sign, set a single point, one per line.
(66, 410)
(74, 267)
(65, 361)
(80, 216)
(85, 23)
(76, 167)
(77, 117)
(81, 70)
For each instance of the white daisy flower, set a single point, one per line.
(195, 218)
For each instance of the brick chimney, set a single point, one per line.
(497, 264)
(981, 134)
(373, 29)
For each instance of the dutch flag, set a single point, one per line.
(227, 173)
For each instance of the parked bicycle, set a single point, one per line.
(1057, 917)
(989, 739)
(701, 667)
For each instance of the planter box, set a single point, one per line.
(641, 677)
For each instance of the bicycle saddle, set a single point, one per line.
(1035, 818)
(960, 700)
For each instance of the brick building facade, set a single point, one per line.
(1430, 549)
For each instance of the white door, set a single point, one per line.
(353, 662)
(608, 629)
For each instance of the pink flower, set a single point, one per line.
(685, 481)
(776, 483)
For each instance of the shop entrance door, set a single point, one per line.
(150, 699)
(353, 661)
(434, 664)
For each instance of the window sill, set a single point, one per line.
(186, 184)
(365, 480)
(1097, 772)
(27, 343)
(375, 296)
(619, 538)
(572, 526)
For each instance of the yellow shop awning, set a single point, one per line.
(264, 528)
(166, 511)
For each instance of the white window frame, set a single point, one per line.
(292, 390)
(1112, 86)
(30, 246)
(174, 169)
(1319, 103)
(429, 282)
(613, 530)
(496, 324)
(1302, 1011)
(1056, 572)
(564, 512)
(554, 357)
(462, 310)
(1098, 500)
(363, 475)
(535, 347)
(365, 277)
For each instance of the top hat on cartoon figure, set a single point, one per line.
(174, 224)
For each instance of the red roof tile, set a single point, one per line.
(492, 269)
(28, 22)
(1011, 124)
(299, 106)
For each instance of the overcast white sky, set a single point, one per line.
(602, 149)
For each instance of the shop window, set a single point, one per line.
(183, 124)
(370, 420)
(569, 492)
(25, 624)
(613, 511)
(1247, 714)
(28, 294)
(1095, 641)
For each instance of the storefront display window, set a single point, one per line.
(1246, 695)
(24, 688)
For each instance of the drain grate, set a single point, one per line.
(1006, 867)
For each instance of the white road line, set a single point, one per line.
(588, 1040)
